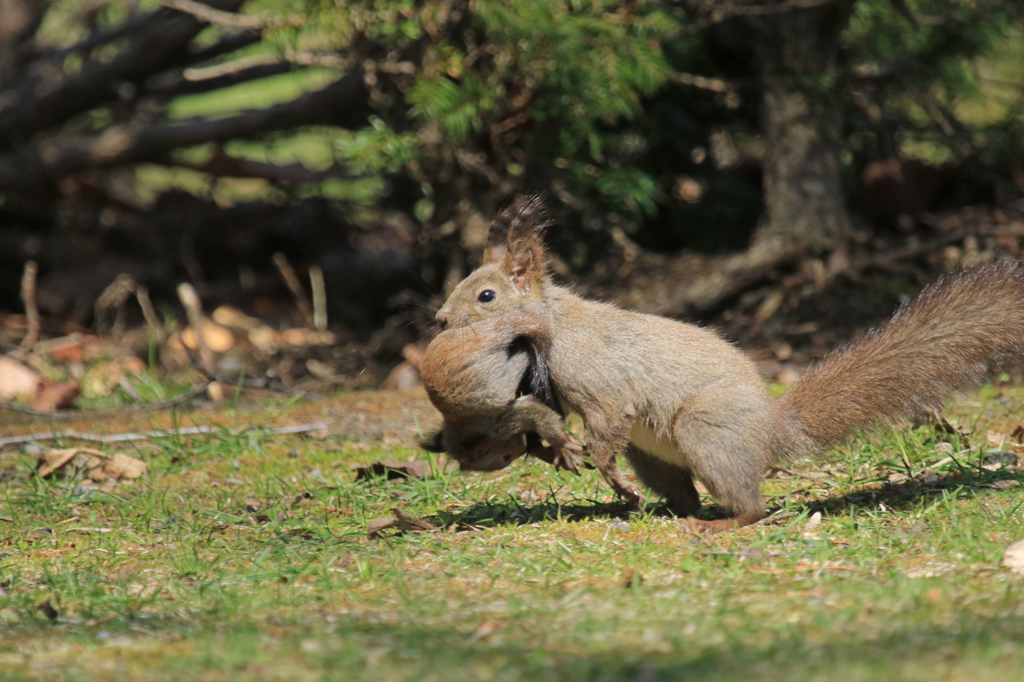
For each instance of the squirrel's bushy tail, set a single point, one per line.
(940, 342)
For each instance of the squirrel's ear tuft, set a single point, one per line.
(525, 260)
(497, 234)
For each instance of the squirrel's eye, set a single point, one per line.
(486, 296)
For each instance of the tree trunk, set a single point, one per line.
(797, 48)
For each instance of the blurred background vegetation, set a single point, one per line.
(179, 141)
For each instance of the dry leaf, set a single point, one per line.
(811, 527)
(392, 470)
(296, 336)
(1014, 558)
(120, 466)
(300, 336)
(52, 396)
(1005, 485)
(769, 305)
(265, 339)
(402, 520)
(67, 349)
(376, 526)
(215, 391)
(407, 521)
(233, 317)
(996, 439)
(16, 380)
(96, 464)
(486, 630)
(942, 425)
(52, 460)
(528, 497)
(218, 338)
(321, 370)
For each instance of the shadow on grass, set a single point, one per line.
(895, 496)
(491, 514)
(911, 493)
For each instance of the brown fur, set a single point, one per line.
(941, 342)
(683, 403)
(484, 383)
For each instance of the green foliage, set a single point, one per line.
(481, 99)
(518, 85)
(928, 79)
(486, 98)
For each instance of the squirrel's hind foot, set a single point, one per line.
(719, 525)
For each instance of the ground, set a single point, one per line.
(246, 557)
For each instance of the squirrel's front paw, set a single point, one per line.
(573, 443)
(568, 456)
(567, 459)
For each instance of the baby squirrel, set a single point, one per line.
(490, 380)
(683, 403)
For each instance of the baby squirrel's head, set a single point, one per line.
(474, 450)
(513, 274)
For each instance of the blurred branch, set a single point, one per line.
(31, 51)
(204, 79)
(711, 12)
(295, 286)
(197, 80)
(223, 165)
(317, 59)
(341, 103)
(740, 10)
(226, 45)
(218, 17)
(703, 83)
(50, 97)
(720, 11)
(28, 297)
(917, 20)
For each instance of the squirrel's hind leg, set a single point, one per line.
(672, 481)
(726, 458)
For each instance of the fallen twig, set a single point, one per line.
(295, 286)
(156, 328)
(316, 284)
(194, 310)
(148, 435)
(28, 296)
(96, 414)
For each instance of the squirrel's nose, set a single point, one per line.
(442, 318)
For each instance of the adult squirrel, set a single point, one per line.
(683, 403)
(490, 380)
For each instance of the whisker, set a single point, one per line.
(419, 280)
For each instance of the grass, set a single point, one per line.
(245, 557)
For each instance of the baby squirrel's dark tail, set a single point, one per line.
(940, 342)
